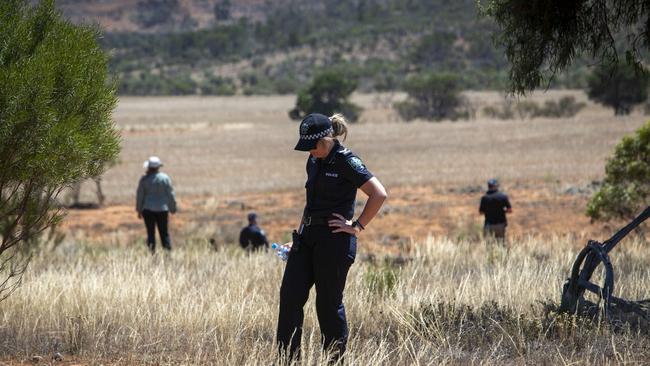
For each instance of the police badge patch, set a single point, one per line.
(356, 164)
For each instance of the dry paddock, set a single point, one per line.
(213, 146)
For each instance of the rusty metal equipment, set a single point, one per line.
(593, 255)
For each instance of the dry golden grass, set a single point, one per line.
(225, 145)
(451, 303)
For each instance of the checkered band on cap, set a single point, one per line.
(317, 136)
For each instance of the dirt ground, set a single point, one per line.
(411, 214)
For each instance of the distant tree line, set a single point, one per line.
(379, 42)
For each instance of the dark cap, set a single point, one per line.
(252, 216)
(492, 182)
(313, 128)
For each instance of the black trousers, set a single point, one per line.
(323, 259)
(161, 220)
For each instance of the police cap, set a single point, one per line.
(313, 128)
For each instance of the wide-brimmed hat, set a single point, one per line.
(313, 128)
(153, 162)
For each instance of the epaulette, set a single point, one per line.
(345, 152)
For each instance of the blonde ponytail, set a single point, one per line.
(339, 125)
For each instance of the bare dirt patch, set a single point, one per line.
(411, 214)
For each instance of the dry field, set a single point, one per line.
(449, 303)
(230, 155)
(217, 146)
(100, 299)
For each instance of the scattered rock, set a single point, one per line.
(57, 356)
(37, 359)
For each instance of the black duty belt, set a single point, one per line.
(315, 221)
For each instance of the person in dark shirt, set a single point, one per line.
(325, 246)
(251, 237)
(495, 205)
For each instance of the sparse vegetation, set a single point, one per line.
(379, 41)
(156, 12)
(565, 107)
(448, 306)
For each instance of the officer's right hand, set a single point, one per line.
(287, 245)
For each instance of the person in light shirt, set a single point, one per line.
(155, 200)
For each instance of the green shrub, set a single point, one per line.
(328, 93)
(432, 96)
(56, 127)
(626, 187)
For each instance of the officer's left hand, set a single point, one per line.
(342, 225)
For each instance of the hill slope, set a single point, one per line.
(169, 47)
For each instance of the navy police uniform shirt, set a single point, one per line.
(332, 182)
(494, 205)
(252, 236)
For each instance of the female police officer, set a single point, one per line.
(327, 242)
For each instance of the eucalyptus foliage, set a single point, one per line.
(55, 123)
(544, 37)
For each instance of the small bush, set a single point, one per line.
(432, 97)
(328, 93)
(563, 108)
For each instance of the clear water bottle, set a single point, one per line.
(280, 251)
